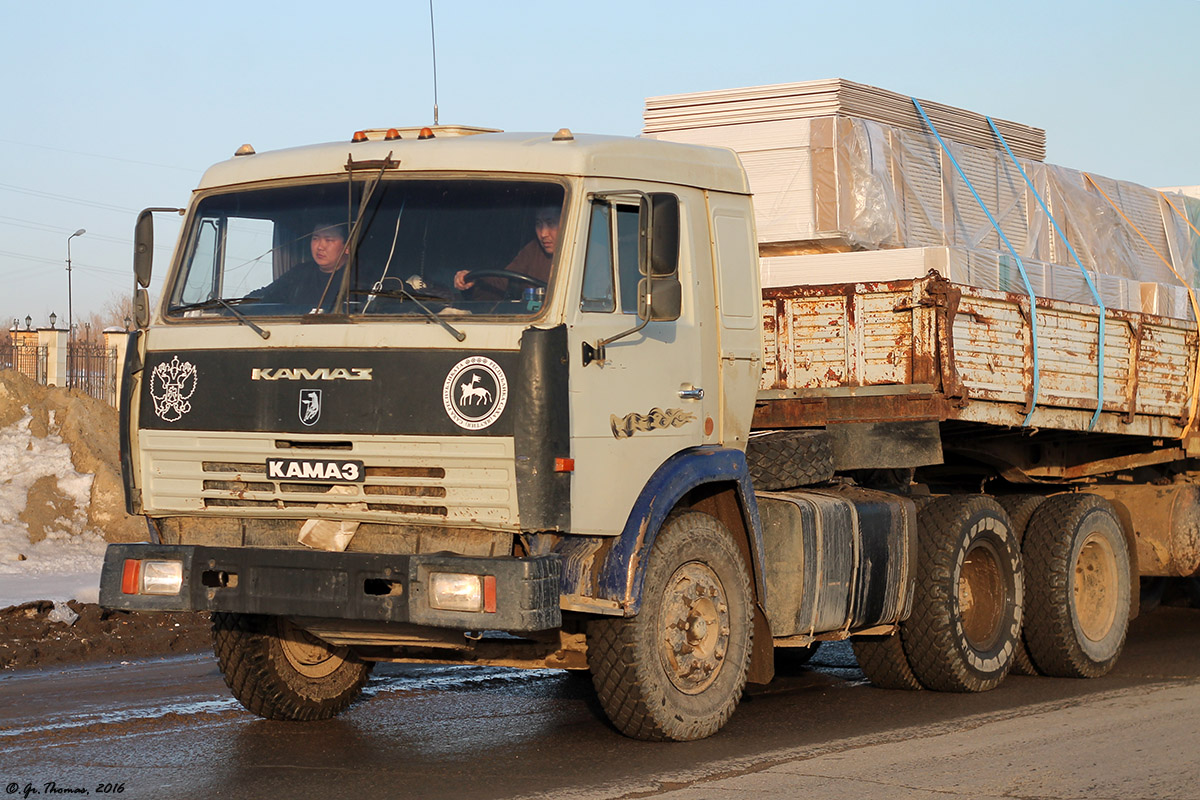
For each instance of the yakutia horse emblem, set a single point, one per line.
(475, 393)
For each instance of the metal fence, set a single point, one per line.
(27, 359)
(92, 368)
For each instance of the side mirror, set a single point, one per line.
(141, 308)
(659, 299)
(143, 244)
(143, 248)
(658, 255)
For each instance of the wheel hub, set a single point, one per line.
(695, 628)
(981, 597)
(310, 656)
(1095, 592)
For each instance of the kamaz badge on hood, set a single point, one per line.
(475, 393)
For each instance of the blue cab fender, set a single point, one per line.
(623, 572)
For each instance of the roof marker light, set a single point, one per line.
(563, 135)
(244, 150)
(391, 134)
(359, 136)
(426, 133)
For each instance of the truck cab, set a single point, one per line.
(377, 454)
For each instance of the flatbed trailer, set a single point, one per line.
(930, 350)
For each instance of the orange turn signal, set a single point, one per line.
(131, 576)
(489, 594)
(564, 465)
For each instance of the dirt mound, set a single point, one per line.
(34, 635)
(89, 427)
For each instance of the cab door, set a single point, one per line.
(648, 394)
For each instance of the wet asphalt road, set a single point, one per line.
(170, 729)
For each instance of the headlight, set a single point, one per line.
(162, 577)
(462, 591)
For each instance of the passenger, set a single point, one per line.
(533, 259)
(313, 284)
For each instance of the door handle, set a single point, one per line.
(692, 393)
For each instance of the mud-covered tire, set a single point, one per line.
(676, 670)
(1020, 508)
(884, 662)
(281, 672)
(969, 596)
(786, 459)
(1078, 573)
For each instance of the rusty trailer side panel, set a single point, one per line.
(928, 349)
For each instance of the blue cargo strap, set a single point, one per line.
(1086, 277)
(1020, 264)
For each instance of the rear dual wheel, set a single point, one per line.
(968, 598)
(967, 603)
(1078, 568)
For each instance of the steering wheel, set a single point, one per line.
(503, 273)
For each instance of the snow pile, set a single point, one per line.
(43, 512)
(59, 492)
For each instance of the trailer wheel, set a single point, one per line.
(677, 670)
(787, 459)
(1079, 586)
(1020, 508)
(279, 671)
(968, 599)
(883, 661)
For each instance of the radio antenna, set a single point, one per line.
(433, 40)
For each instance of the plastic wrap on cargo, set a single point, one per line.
(879, 187)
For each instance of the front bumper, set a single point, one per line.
(351, 586)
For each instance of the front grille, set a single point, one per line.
(406, 479)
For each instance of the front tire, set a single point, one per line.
(1077, 563)
(279, 671)
(677, 670)
(969, 596)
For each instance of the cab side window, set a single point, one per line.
(598, 286)
(611, 268)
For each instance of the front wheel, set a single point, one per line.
(280, 671)
(677, 670)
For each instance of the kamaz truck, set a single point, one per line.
(604, 467)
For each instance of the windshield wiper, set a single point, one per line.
(213, 302)
(403, 293)
(221, 302)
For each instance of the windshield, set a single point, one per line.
(417, 247)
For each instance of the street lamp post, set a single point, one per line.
(70, 308)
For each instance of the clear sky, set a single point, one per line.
(109, 107)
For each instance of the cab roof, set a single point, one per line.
(461, 149)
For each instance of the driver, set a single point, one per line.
(312, 284)
(533, 259)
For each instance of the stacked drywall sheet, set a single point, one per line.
(823, 98)
(839, 167)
